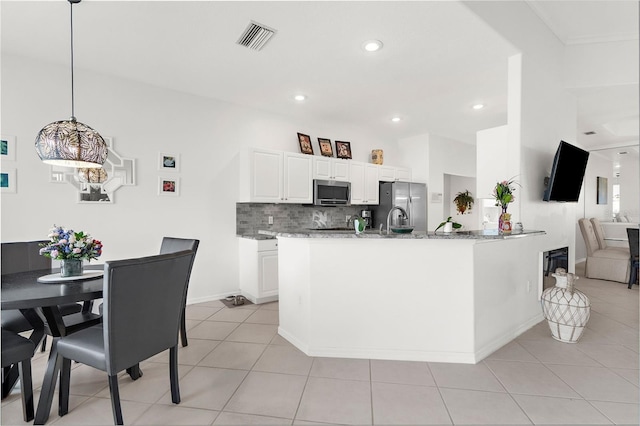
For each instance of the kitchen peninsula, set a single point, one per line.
(453, 297)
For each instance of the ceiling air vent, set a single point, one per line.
(589, 133)
(255, 36)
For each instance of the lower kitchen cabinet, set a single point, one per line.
(258, 269)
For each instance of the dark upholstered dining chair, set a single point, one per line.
(18, 350)
(172, 245)
(632, 235)
(22, 257)
(143, 300)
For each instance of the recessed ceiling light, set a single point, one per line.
(478, 106)
(372, 45)
(299, 97)
(396, 119)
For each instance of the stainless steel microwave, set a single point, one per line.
(331, 193)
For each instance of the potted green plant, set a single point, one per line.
(454, 225)
(463, 201)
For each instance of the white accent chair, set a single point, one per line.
(609, 263)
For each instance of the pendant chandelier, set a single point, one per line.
(70, 143)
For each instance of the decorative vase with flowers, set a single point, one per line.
(503, 194)
(71, 249)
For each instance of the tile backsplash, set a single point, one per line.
(251, 217)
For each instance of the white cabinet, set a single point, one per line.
(394, 174)
(276, 177)
(331, 169)
(258, 274)
(364, 183)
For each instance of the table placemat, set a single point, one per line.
(56, 278)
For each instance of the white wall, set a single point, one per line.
(541, 113)
(446, 156)
(452, 186)
(144, 120)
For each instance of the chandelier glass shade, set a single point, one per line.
(69, 143)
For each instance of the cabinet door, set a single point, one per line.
(322, 168)
(356, 176)
(403, 174)
(387, 174)
(268, 273)
(266, 176)
(341, 170)
(372, 193)
(298, 178)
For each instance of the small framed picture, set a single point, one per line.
(325, 147)
(343, 149)
(8, 148)
(169, 162)
(169, 186)
(8, 181)
(305, 144)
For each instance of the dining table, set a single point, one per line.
(38, 301)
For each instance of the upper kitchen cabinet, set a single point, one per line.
(364, 183)
(268, 176)
(394, 174)
(330, 169)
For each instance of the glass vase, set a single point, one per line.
(500, 219)
(71, 267)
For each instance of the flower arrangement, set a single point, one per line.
(67, 244)
(503, 192)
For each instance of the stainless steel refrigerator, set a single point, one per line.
(410, 196)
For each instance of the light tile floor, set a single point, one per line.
(238, 371)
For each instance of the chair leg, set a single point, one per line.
(115, 400)
(173, 374)
(633, 276)
(183, 329)
(65, 381)
(26, 385)
(134, 372)
(43, 347)
(10, 377)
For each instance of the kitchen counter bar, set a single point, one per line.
(416, 297)
(490, 234)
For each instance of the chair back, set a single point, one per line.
(634, 243)
(23, 256)
(589, 236)
(173, 244)
(143, 300)
(599, 230)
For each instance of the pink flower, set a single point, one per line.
(77, 250)
(54, 254)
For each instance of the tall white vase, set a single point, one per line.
(566, 309)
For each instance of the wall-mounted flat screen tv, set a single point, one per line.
(567, 173)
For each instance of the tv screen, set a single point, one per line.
(567, 173)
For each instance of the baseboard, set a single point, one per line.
(194, 300)
(499, 342)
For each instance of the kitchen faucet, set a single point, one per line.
(404, 215)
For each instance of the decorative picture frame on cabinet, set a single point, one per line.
(7, 148)
(343, 149)
(168, 162)
(169, 186)
(8, 181)
(305, 144)
(325, 147)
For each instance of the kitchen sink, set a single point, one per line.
(331, 229)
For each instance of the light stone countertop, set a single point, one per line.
(457, 235)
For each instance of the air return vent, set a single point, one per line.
(255, 36)
(589, 133)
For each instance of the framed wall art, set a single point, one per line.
(325, 147)
(168, 162)
(8, 181)
(169, 186)
(343, 149)
(305, 144)
(7, 148)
